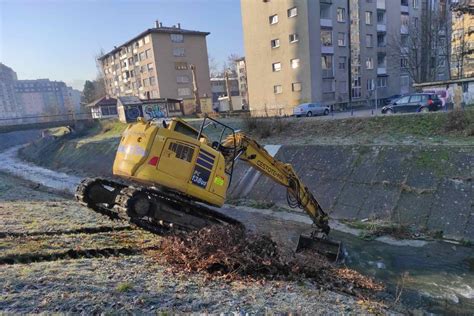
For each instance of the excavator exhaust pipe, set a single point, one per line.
(331, 249)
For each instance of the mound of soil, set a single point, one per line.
(231, 253)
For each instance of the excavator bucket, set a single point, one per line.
(327, 247)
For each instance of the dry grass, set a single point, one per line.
(264, 127)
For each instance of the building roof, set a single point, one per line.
(102, 102)
(162, 30)
(129, 100)
(160, 100)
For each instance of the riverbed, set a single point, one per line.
(434, 276)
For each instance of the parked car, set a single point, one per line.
(390, 99)
(414, 102)
(310, 109)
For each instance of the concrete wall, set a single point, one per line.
(427, 188)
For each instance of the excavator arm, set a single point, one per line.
(238, 145)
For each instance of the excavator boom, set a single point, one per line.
(298, 195)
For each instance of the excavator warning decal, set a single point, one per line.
(218, 180)
(200, 176)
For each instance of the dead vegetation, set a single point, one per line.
(230, 253)
(264, 127)
(459, 121)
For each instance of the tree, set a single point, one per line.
(213, 67)
(423, 47)
(88, 92)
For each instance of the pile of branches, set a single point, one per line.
(224, 251)
(231, 253)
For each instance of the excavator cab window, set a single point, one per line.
(183, 129)
(217, 134)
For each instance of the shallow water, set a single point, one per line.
(10, 163)
(437, 277)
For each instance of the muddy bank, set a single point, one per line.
(428, 188)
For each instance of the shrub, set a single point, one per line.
(264, 127)
(456, 121)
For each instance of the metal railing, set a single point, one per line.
(65, 117)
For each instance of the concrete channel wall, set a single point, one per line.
(427, 187)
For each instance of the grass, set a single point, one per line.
(375, 228)
(124, 287)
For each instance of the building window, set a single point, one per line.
(181, 65)
(273, 19)
(370, 84)
(381, 40)
(295, 63)
(326, 65)
(382, 82)
(152, 81)
(294, 38)
(381, 60)
(148, 53)
(404, 62)
(326, 37)
(380, 17)
(368, 40)
(404, 40)
(147, 39)
(143, 69)
(341, 14)
(415, 22)
(404, 3)
(415, 4)
(178, 52)
(342, 62)
(296, 86)
(149, 67)
(182, 79)
(292, 12)
(368, 17)
(369, 63)
(140, 43)
(183, 92)
(325, 11)
(142, 56)
(277, 89)
(177, 38)
(404, 21)
(276, 66)
(275, 43)
(145, 82)
(341, 39)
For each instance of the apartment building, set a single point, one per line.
(42, 97)
(157, 64)
(462, 39)
(219, 89)
(300, 52)
(9, 104)
(241, 69)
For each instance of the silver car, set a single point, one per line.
(310, 109)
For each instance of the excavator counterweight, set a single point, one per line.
(169, 174)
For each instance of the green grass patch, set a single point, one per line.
(124, 287)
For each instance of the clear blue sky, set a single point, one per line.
(59, 39)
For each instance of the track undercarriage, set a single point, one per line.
(149, 208)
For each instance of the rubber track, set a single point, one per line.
(73, 254)
(85, 230)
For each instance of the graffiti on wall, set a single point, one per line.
(154, 111)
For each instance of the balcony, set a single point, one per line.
(404, 29)
(381, 4)
(404, 8)
(381, 28)
(327, 49)
(328, 73)
(326, 22)
(381, 70)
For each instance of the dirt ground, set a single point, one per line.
(57, 256)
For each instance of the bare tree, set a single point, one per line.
(213, 67)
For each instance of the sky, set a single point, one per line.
(60, 39)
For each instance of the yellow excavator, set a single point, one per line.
(168, 174)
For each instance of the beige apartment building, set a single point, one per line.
(157, 64)
(298, 51)
(462, 40)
